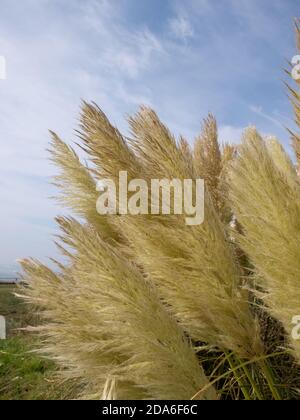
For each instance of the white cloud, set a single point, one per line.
(60, 51)
(130, 54)
(181, 27)
(48, 74)
(258, 110)
(230, 134)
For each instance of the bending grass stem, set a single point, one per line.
(251, 380)
(244, 386)
(225, 375)
(268, 373)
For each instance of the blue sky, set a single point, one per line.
(185, 58)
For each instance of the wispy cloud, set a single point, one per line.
(134, 54)
(230, 134)
(181, 27)
(186, 59)
(259, 111)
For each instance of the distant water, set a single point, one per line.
(8, 274)
(8, 279)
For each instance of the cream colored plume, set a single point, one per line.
(266, 200)
(104, 319)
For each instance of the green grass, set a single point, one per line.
(16, 313)
(23, 374)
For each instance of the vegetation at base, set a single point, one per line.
(23, 374)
